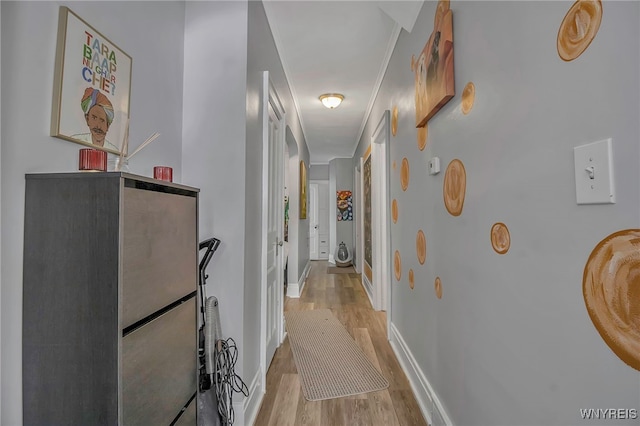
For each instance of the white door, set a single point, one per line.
(357, 256)
(273, 221)
(381, 235)
(313, 221)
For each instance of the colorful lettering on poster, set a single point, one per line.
(99, 64)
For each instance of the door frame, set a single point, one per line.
(313, 214)
(381, 229)
(269, 97)
(357, 215)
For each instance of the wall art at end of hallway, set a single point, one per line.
(433, 70)
(468, 97)
(397, 265)
(422, 137)
(303, 190)
(421, 247)
(611, 290)
(91, 87)
(393, 164)
(578, 28)
(411, 279)
(344, 201)
(437, 286)
(454, 187)
(404, 174)
(394, 210)
(500, 238)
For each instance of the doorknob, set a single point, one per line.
(315, 227)
(280, 243)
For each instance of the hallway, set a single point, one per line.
(345, 296)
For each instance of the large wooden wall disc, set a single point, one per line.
(404, 174)
(397, 265)
(611, 290)
(421, 247)
(578, 28)
(468, 97)
(455, 185)
(437, 287)
(500, 238)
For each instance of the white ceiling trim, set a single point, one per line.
(397, 28)
(287, 74)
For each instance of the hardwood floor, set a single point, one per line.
(284, 403)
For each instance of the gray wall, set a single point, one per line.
(319, 172)
(28, 48)
(263, 56)
(511, 342)
(214, 151)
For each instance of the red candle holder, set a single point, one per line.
(92, 160)
(163, 173)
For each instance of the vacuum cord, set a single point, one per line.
(225, 379)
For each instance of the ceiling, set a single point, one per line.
(336, 46)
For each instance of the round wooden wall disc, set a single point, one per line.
(455, 185)
(404, 174)
(422, 137)
(437, 286)
(468, 97)
(394, 210)
(421, 247)
(500, 238)
(397, 265)
(578, 28)
(411, 279)
(611, 290)
(394, 121)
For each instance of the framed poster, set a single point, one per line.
(366, 217)
(303, 190)
(92, 86)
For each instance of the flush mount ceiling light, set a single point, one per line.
(331, 100)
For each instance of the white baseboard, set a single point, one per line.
(251, 404)
(368, 287)
(295, 289)
(427, 398)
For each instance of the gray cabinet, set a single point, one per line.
(109, 303)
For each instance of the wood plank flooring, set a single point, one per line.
(284, 403)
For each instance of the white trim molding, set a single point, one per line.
(295, 289)
(251, 404)
(368, 287)
(427, 398)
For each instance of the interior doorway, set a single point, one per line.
(319, 220)
(272, 295)
(381, 215)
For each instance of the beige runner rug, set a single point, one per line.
(330, 363)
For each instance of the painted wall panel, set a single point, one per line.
(28, 32)
(510, 342)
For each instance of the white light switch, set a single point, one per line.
(434, 166)
(594, 173)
